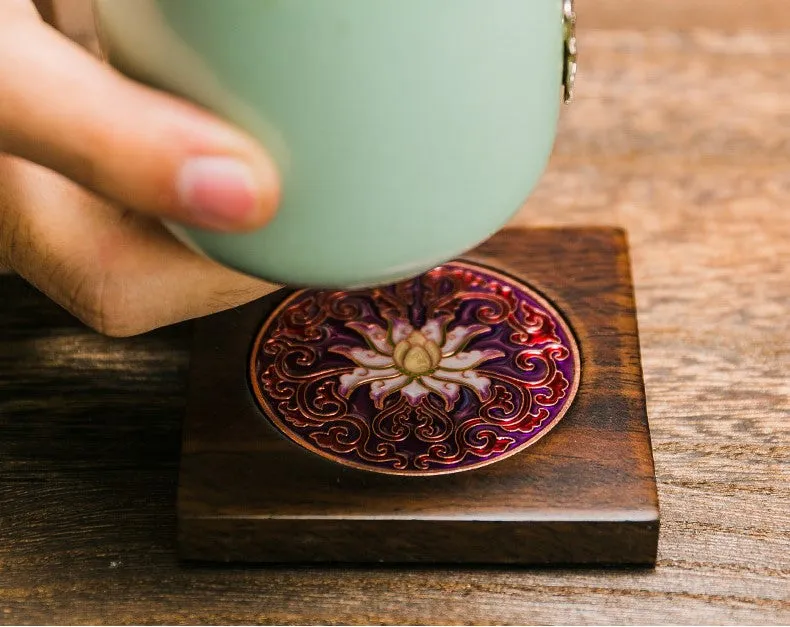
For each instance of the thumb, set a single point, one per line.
(63, 109)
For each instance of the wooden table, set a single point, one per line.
(682, 137)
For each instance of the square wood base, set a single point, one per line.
(586, 493)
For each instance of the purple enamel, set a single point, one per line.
(458, 368)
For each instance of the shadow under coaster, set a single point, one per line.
(490, 411)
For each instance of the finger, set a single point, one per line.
(63, 109)
(120, 272)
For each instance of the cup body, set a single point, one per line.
(405, 131)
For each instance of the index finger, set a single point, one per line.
(63, 109)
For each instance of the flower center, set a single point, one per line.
(417, 355)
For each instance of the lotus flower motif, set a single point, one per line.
(416, 362)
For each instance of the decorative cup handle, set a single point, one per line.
(570, 54)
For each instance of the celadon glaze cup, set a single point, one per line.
(405, 131)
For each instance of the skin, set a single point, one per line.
(89, 161)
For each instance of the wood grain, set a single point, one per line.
(586, 493)
(685, 15)
(682, 136)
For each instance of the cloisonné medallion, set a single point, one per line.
(458, 368)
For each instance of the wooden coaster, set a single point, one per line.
(491, 411)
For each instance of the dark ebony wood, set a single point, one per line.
(586, 493)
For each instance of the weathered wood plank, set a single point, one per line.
(683, 139)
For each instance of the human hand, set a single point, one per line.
(91, 160)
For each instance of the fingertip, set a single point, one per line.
(226, 193)
(270, 190)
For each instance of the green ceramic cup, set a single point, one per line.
(405, 131)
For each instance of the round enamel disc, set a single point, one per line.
(458, 368)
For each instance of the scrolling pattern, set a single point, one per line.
(457, 368)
